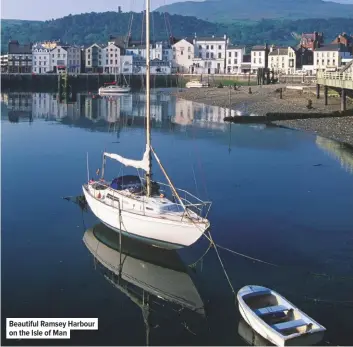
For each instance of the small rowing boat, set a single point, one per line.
(276, 319)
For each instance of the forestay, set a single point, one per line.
(138, 164)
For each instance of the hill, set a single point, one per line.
(88, 28)
(93, 27)
(229, 10)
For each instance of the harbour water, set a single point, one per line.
(282, 196)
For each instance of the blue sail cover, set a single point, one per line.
(131, 182)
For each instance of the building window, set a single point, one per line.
(89, 62)
(207, 47)
(181, 52)
(111, 62)
(189, 49)
(235, 61)
(189, 56)
(235, 54)
(211, 46)
(212, 56)
(207, 55)
(219, 47)
(229, 61)
(254, 60)
(229, 54)
(200, 47)
(259, 60)
(219, 55)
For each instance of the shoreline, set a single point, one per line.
(266, 99)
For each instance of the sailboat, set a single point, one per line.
(115, 88)
(139, 207)
(145, 274)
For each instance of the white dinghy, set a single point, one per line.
(276, 319)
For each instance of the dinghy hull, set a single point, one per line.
(296, 335)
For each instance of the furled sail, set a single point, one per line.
(138, 164)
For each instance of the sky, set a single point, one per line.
(44, 9)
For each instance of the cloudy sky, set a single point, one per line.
(44, 9)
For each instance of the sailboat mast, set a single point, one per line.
(148, 121)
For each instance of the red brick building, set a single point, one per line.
(312, 41)
(346, 40)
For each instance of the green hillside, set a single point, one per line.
(230, 10)
(88, 28)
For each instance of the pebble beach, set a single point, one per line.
(266, 99)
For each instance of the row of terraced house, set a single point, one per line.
(196, 55)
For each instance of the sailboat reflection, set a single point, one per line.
(251, 336)
(144, 273)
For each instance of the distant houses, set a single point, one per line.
(189, 55)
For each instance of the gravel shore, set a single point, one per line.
(266, 99)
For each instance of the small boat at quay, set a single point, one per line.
(196, 84)
(276, 319)
(114, 89)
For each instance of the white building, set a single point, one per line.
(234, 58)
(157, 67)
(74, 59)
(111, 58)
(66, 58)
(183, 55)
(259, 57)
(41, 62)
(282, 60)
(94, 57)
(210, 54)
(329, 57)
(158, 50)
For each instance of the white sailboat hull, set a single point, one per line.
(274, 336)
(114, 90)
(159, 231)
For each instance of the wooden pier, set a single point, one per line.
(340, 81)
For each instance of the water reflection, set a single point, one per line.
(147, 275)
(250, 336)
(338, 151)
(112, 114)
(111, 109)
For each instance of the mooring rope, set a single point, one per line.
(220, 260)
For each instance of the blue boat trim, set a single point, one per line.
(147, 239)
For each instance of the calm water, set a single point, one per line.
(282, 196)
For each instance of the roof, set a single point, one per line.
(210, 38)
(259, 48)
(235, 47)
(336, 47)
(16, 48)
(185, 39)
(279, 51)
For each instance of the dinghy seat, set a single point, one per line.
(270, 310)
(289, 325)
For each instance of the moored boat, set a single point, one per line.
(276, 319)
(196, 84)
(114, 89)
